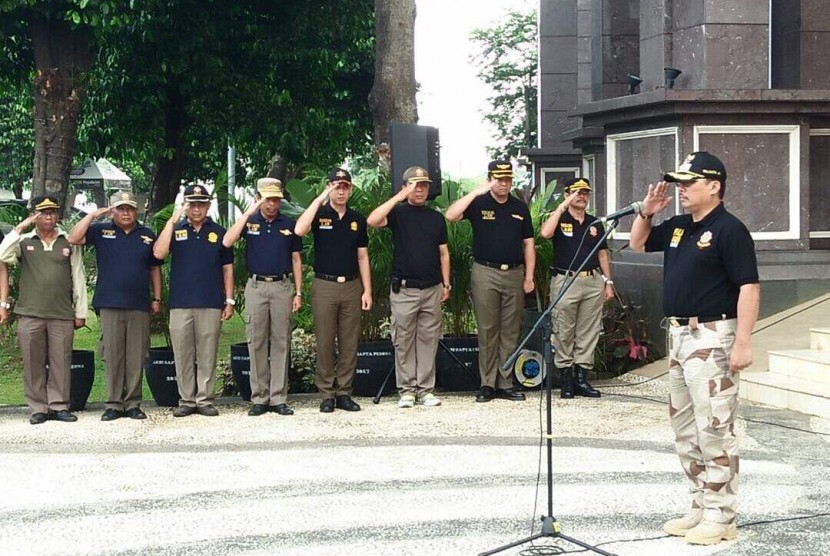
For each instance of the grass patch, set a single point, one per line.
(11, 366)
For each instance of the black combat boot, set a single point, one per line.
(566, 376)
(581, 386)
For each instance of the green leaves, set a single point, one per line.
(507, 58)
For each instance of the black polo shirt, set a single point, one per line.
(416, 234)
(124, 262)
(705, 263)
(336, 240)
(568, 237)
(499, 229)
(268, 245)
(196, 263)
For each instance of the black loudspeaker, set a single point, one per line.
(415, 145)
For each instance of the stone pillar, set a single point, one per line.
(584, 52)
(655, 42)
(720, 45)
(557, 71)
(615, 46)
(815, 44)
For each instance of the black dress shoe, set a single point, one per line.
(111, 415)
(183, 411)
(346, 403)
(486, 394)
(64, 416)
(327, 406)
(135, 413)
(207, 410)
(258, 409)
(282, 409)
(509, 394)
(38, 418)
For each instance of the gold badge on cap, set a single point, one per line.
(340, 174)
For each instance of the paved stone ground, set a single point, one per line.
(454, 480)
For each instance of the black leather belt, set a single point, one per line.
(684, 321)
(270, 277)
(338, 279)
(500, 266)
(417, 284)
(581, 274)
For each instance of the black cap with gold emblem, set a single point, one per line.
(195, 193)
(575, 184)
(340, 175)
(415, 174)
(498, 169)
(698, 165)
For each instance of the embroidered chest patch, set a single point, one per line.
(488, 215)
(181, 235)
(705, 240)
(567, 229)
(675, 237)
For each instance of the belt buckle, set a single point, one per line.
(504, 267)
(674, 322)
(269, 278)
(341, 279)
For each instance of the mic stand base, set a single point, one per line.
(550, 530)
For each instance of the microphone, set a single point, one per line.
(634, 208)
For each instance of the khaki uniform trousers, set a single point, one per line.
(703, 403)
(194, 334)
(577, 320)
(336, 310)
(45, 341)
(268, 328)
(498, 299)
(125, 340)
(416, 329)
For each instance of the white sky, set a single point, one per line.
(451, 97)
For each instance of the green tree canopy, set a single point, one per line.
(507, 58)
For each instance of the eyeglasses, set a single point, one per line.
(583, 192)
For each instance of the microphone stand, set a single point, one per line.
(550, 526)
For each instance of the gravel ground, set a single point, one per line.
(456, 479)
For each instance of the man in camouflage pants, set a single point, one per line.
(710, 287)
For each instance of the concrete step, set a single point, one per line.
(804, 396)
(803, 364)
(820, 339)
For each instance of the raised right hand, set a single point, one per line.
(657, 198)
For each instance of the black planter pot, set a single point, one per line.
(160, 371)
(450, 376)
(241, 369)
(82, 377)
(374, 361)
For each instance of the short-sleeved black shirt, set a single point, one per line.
(268, 245)
(336, 240)
(196, 261)
(704, 263)
(124, 262)
(499, 229)
(567, 237)
(416, 234)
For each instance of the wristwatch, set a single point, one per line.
(156, 300)
(298, 294)
(448, 287)
(230, 301)
(5, 305)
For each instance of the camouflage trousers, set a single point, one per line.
(703, 403)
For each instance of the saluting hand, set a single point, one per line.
(484, 187)
(98, 213)
(255, 206)
(657, 198)
(179, 213)
(31, 219)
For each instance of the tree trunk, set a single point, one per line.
(170, 162)
(392, 98)
(62, 55)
